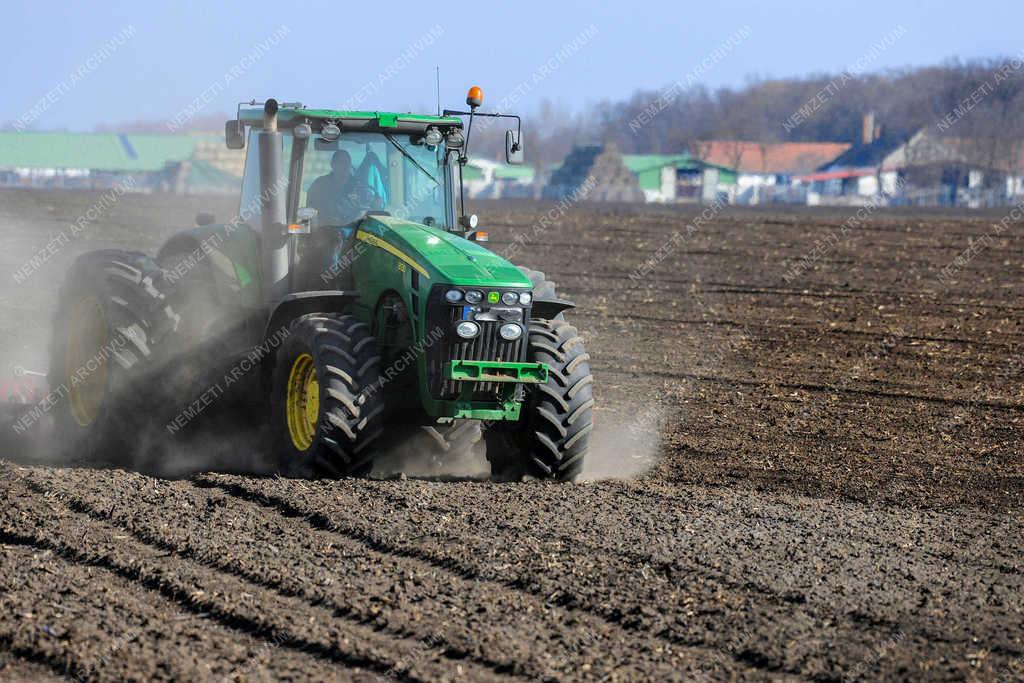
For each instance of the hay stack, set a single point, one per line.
(596, 173)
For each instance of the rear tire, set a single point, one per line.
(552, 437)
(327, 401)
(202, 349)
(111, 326)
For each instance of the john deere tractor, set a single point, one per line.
(350, 302)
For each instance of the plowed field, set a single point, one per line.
(808, 463)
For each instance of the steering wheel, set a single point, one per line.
(361, 196)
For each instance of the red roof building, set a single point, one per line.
(768, 158)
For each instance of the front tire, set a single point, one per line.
(326, 401)
(552, 437)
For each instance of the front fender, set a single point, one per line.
(549, 308)
(303, 303)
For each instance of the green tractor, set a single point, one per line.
(350, 302)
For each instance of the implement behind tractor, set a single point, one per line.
(357, 286)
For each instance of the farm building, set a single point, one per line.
(493, 180)
(861, 172)
(924, 169)
(764, 170)
(174, 163)
(677, 177)
(194, 176)
(963, 171)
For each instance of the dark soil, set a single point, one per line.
(800, 471)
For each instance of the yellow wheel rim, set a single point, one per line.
(303, 399)
(85, 367)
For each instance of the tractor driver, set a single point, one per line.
(341, 197)
(332, 195)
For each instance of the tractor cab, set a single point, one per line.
(332, 169)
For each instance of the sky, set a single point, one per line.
(81, 65)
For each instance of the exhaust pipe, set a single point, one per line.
(273, 186)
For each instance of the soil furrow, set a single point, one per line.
(407, 598)
(820, 388)
(928, 534)
(289, 623)
(687, 613)
(694, 548)
(93, 623)
(428, 554)
(21, 664)
(993, 587)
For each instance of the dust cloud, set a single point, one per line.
(626, 446)
(418, 455)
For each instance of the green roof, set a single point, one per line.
(204, 177)
(508, 172)
(647, 167)
(94, 151)
(646, 162)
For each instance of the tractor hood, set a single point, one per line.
(440, 255)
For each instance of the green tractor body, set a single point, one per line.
(349, 241)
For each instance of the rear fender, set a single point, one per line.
(229, 253)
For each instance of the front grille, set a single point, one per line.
(487, 345)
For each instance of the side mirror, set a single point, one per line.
(205, 219)
(234, 134)
(513, 147)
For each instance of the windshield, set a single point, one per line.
(386, 172)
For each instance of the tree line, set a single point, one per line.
(980, 100)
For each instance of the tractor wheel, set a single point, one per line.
(194, 298)
(542, 287)
(201, 350)
(111, 324)
(553, 435)
(326, 400)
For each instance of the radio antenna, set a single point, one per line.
(438, 70)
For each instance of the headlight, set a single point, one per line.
(467, 329)
(330, 132)
(510, 298)
(474, 296)
(453, 296)
(525, 298)
(454, 140)
(510, 332)
(433, 136)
